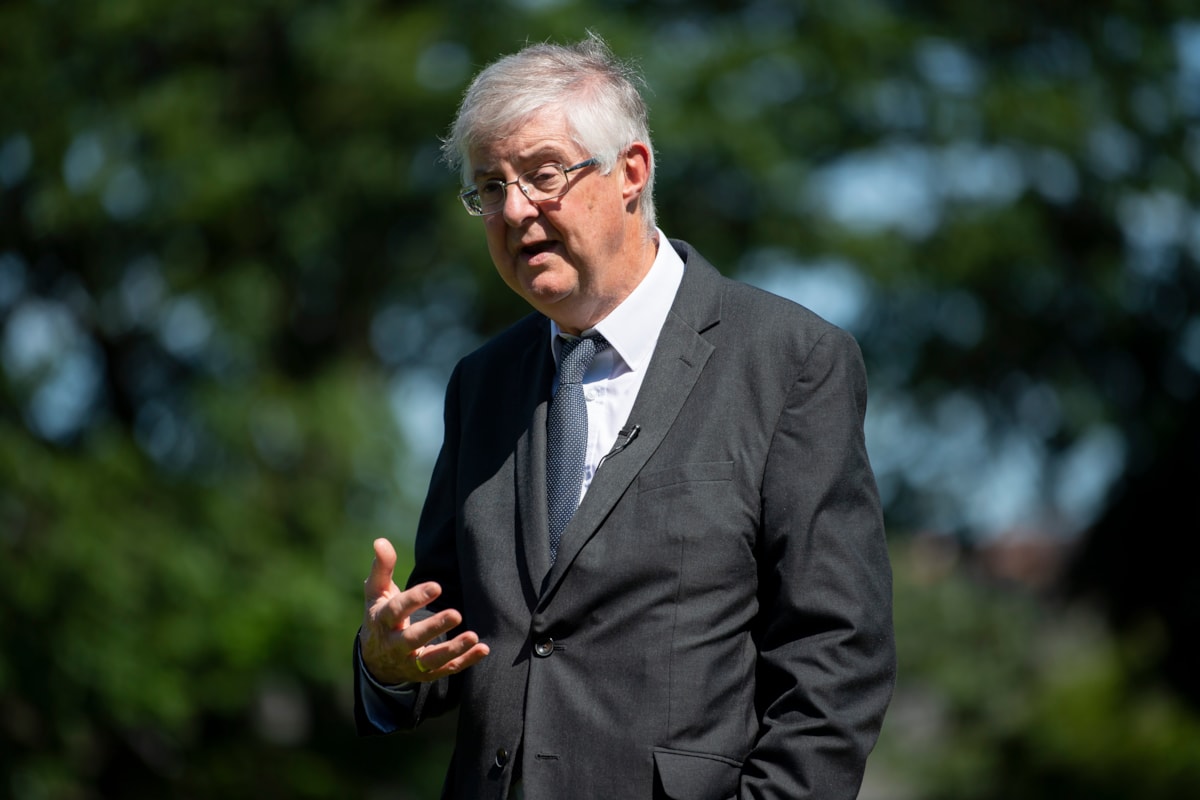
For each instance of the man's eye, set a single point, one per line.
(544, 177)
(491, 190)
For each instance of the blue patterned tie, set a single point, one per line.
(567, 434)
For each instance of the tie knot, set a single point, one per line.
(576, 355)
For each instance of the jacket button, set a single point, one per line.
(544, 648)
(501, 757)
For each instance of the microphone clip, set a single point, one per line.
(624, 438)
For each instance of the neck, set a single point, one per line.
(640, 256)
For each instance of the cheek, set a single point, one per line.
(496, 244)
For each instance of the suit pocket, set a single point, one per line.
(695, 776)
(702, 471)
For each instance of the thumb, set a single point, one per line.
(380, 579)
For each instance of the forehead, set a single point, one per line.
(542, 138)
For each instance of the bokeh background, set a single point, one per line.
(234, 277)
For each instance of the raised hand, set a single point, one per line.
(397, 650)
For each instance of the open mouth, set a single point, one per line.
(536, 248)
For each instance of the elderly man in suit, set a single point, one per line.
(666, 575)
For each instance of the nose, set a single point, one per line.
(518, 208)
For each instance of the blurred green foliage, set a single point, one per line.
(233, 278)
(999, 698)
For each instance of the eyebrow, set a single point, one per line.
(544, 155)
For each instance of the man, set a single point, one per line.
(714, 621)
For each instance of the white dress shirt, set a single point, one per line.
(615, 375)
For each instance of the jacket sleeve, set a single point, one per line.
(379, 709)
(827, 660)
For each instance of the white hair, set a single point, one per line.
(597, 94)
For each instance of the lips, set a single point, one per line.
(536, 248)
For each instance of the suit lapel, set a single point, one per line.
(678, 360)
(533, 526)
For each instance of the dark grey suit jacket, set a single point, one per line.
(718, 622)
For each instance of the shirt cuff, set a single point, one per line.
(379, 699)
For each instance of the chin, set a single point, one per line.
(543, 299)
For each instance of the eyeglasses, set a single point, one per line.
(546, 182)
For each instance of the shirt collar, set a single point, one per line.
(632, 328)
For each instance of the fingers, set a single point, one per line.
(392, 613)
(387, 607)
(441, 660)
(396, 649)
(420, 634)
(398, 658)
(379, 581)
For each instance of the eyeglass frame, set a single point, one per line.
(474, 188)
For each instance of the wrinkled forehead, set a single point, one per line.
(540, 137)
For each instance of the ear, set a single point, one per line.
(635, 164)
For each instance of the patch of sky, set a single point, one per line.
(978, 476)
(403, 335)
(1005, 491)
(968, 171)
(44, 347)
(16, 157)
(397, 334)
(126, 193)
(948, 67)
(891, 187)
(906, 187)
(1084, 475)
(185, 328)
(421, 343)
(1186, 35)
(1112, 152)
(888, 439)
(62, 403)
(83, 161)
(1151, 222)
(141, 292)
(962, 423)
(1053, 175)
(12, 278)
(937, 455)
(416, 400)
(831, 287)
(1039, 408)
(38, 332)
(899, 105)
